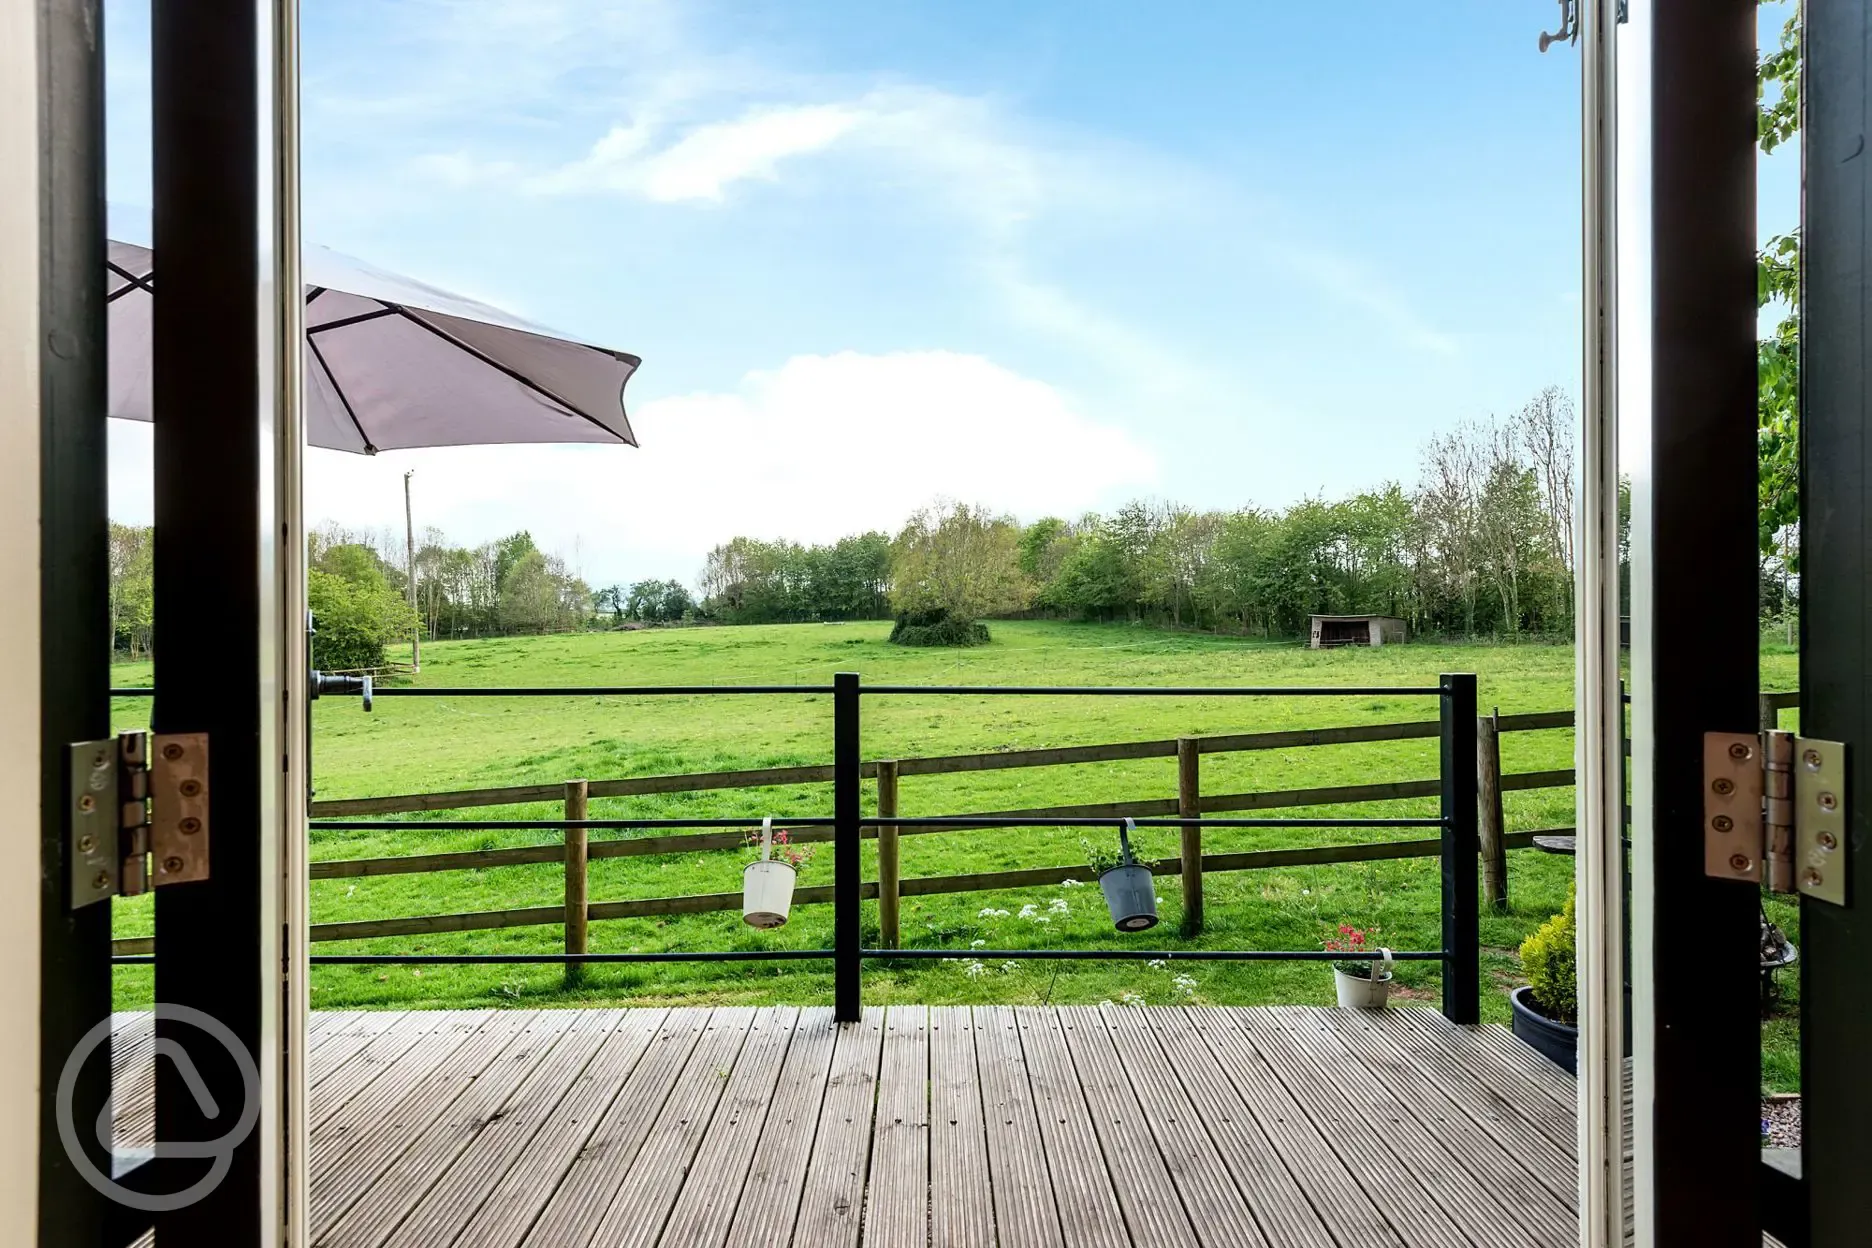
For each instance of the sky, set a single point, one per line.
(1045, 256)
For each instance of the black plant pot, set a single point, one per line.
(1557, 1042)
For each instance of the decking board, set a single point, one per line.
(983, 1127)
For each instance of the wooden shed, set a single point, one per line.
(1355, 630)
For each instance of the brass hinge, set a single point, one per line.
(1774, 812)
(138, 814)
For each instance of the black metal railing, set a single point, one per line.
(1456, 820)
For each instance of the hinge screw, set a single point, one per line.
(172, 751)
(1724, 786)
(1738, 751)
(1812, 759)
(101, 880)
(86, 803)
(1826, 840)
(172, 864)
(189, 826)
(189, 788)
(1739, 862)
(1828, 802)
(1811, 878)
(1723, 823)
(87, 843)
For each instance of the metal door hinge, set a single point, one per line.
(1774, 812)
(138, 814)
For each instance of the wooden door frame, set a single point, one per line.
(1836, 474)
(229, 657)
(67, 589)
(1686, 347)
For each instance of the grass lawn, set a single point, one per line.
(412, 745)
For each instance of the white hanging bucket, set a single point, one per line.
(1358, 992)
(766, 886)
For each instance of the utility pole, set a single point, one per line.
(409, 574)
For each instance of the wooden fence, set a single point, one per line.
(577, 850)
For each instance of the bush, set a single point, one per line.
(355, 621)
(1547, 957)
(936, 627)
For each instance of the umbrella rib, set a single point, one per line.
(512, 374)
(339, 391)
(359, 319)
(135, 282)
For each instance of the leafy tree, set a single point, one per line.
(1778, 282)
(356, 620)
(132, 595)
(961, 561)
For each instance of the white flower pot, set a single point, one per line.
(766, 893)
(1360, 992)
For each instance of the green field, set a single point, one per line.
(412, 745)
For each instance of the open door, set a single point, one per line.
(217, 840)
(1836, 619)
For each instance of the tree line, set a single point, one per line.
(1482, 545)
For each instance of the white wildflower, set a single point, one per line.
(1157, 964)
(977, 944)
(1185, 984)
(1130, 998)
(1059, 905)
(1008, 968)
(1106, 1003)
(1041, 918)
(1072, 883)
(1029, 910)
(975, 970)
(992, 913)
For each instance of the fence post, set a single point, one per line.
(887, 847)
(847, 888)
(1189, 806)
(1492, 823)
(1462, 937)
(1768, 712)
(576, 793)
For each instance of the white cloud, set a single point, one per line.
(708, 159)
(823, 446)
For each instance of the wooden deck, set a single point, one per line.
(1015, 1126)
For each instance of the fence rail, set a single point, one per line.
(1186, 810)
(947, 764)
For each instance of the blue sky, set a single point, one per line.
(1045, 256)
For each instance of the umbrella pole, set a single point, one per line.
(409, 570)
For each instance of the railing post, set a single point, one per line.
(1492, 825)
(1462, 937)
(887, 855)
(1768, 712)
(576, 794)
(847, 888)
(1189, 806)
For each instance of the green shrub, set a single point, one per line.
(936, 627)
(1547, 957)
(355, 621)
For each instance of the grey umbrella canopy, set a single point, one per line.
(392, 363)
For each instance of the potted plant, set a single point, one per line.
(767, 882)
(1363, 983)
(1546, 1008)
(1130, 891)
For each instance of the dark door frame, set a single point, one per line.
(74, 595)
(1697, 1033)
(1836, 636)
(219, 320)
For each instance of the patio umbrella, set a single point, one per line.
(393, 363)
